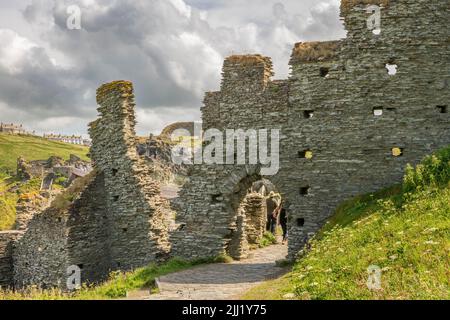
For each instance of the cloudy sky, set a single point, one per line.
(172, 50)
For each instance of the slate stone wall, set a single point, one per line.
(7, 239)
(329, 106)
(138, 215)
(57, 238)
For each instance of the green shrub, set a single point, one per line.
(433, 170)
(268, 239)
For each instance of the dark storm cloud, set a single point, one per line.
(171, 50)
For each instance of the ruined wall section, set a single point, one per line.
(88, 232)
(137, 213)
(340, 105)
(40, 256)
(255, 218)
(361, 112)
(208, 203)
(68, 233)
(7, 239)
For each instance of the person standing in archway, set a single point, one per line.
(273, 204)
(283, 223)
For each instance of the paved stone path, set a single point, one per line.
(224, 280)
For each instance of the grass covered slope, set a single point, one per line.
(33, 148)
(404, 230)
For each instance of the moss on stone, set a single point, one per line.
(347, 5)
(315, 51)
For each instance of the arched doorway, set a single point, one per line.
(251, 205)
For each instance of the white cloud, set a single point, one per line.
(15, 50)
(171, 50)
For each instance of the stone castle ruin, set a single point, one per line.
(349, 125)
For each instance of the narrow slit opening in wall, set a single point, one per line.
(324, 72)
(397, 152)
(300, 222)
(304, 191)
(308, 114)
(391, 109)
(443, 109)
(377, 112)
(305, 154)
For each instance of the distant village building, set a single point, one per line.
(12, 128)
(73, 139)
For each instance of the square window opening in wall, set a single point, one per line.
(216, 198)
(392, 68)
(116, 198)
(378, 111)
(442, 109)
(300, 222)
(114, 172)
(397, 152)
(305, 154)
(324, 72)
(304, 191)
(308, 114)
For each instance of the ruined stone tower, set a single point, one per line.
(360, 122)
(138, 224)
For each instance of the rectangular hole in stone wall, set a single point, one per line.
(397, 152)
(443, 109)
(378, 111)
(124, 230)
(216, 198)
(114, 172)
(308, 114)
(324, 72)
(300, 222)
(80, 266)
(305, 154)
(116, 198)
(391, 109)
(304, 191)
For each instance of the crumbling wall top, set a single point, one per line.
(347, 5)
(123, 88)
(305, 52)
(248, 73)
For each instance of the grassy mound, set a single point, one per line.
(404, 230)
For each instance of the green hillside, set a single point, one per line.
(404, 230)
(31, 148)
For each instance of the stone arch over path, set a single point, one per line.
(224, 217)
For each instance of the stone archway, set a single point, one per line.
(247, 211)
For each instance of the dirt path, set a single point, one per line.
(221, 281)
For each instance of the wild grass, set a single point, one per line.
(116, 287)
(33, 148)
(315, 51)
(404, 230)
(347, 5)
(11, 190)
(268, 239)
